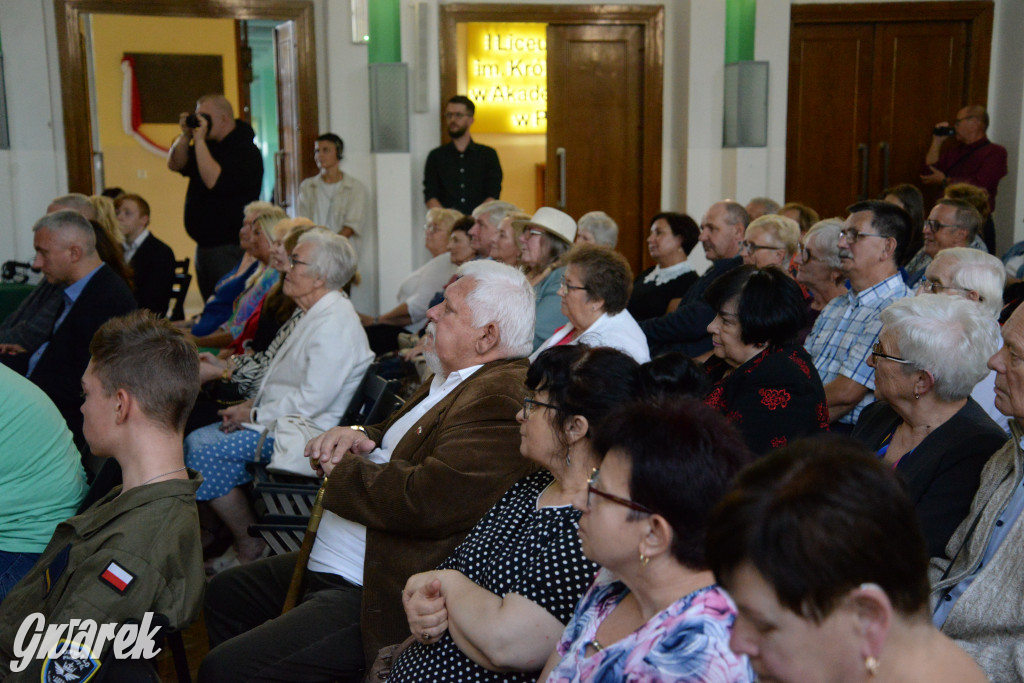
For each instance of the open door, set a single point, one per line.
(286, 161)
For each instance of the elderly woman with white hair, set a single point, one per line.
(978, 276)
(314, 373)
(597, 227)
(819, 269)
(931, 352)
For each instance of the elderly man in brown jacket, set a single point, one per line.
(401, 496)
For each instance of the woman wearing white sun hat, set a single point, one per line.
(544, 238)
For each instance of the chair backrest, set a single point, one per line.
(179, 289)
(388, 402)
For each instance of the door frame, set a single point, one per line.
(650, 17)
(73, 78)
(979, 13)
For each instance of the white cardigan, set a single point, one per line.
(318, 368)
(619, 331)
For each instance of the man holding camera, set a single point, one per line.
(974, 159)
(225, 172)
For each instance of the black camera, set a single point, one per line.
(192, 121)
(943, 131)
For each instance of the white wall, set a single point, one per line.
(34, 170)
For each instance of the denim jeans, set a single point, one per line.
(13, 566)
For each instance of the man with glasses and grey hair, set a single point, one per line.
(462, 174)
(871, 244)
(951, 223)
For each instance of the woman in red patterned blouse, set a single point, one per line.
(764, 382)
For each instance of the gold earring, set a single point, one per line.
(871, 664)
(643, 560)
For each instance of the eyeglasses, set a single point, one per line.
(532, 231)
(430, 228)
(851, 235)
(613, 498)
(528, 404)
(876, 350)
(932, 287)
(455, 115)
(935, 226)
(566, 286)
(806, 255)
(751, 248)
(296, 262)
(965, 118)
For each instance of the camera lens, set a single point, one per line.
(192, 121)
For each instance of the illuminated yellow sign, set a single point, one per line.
(507, 76)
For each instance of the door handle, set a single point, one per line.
(884, 148)
(560, 153)
(98, 172)
(862, 149)
(279, 193)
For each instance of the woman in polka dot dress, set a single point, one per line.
(495, 608)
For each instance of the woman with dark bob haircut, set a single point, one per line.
(495, 607)
(764, 381)
(657, 290)
(654, 612)
(595, 289)
(819, 546)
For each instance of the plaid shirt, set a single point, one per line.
(841, 339)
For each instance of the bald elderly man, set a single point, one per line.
(225, 172)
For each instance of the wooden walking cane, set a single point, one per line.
(295, 587)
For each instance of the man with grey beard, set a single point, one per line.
(400, 496)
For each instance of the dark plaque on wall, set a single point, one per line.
(171, 84)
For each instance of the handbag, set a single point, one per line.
(291, 434)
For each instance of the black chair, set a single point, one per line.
(179, 288)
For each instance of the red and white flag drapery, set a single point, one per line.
(131, 108)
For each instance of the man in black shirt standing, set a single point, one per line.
(225, 172)
(461, 175)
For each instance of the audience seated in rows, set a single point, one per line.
(137, 549)
(594, 290)
(65, 245)
(818, 547)
(974, 275)
(151, 260)
(493, 608)
(261, 218)
(977, 582)
(238, 377)
(659, 289)
(870, 246)
(419, 287)
(545, 238)
(315, 373)
(930, 354)
(765, 382)
(41, 476)
(400, 497)
(654, 611)
(686, 328)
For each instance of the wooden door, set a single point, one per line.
(595, 127)
(829, 117)
(867, 82)
(286, 160)
(929, 56)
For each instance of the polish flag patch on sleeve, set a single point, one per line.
(117, 577)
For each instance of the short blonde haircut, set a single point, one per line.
(785, 231)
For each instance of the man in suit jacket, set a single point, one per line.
(151, 260)
(401, 495)
(65, 245)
